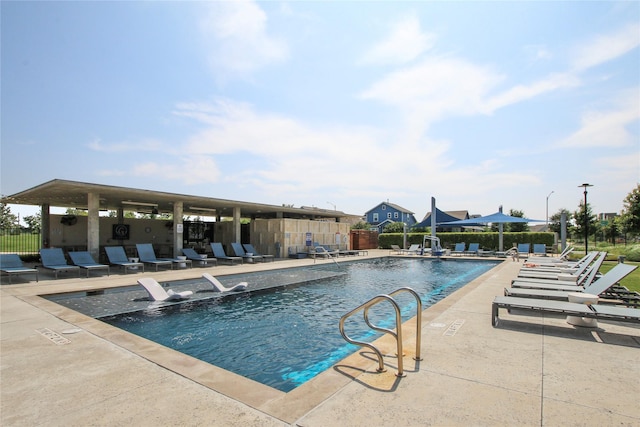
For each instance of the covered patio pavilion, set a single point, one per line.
(97, 197)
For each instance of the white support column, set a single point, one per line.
(93, 225)
(236, 224)
(178, 228)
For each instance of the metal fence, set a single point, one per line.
(20, 241)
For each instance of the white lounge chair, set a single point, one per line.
(158, 293)
(593, 311)
(219, 287)
(597, 287)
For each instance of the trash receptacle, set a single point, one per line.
(621, 259)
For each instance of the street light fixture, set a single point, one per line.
(548, 209)
(586, 219)
(334, 206)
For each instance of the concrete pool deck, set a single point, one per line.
(59, 367)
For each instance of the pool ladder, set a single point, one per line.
(397, 335)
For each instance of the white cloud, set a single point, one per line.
(405, 42)
(604, 48)
(608, 128)
(435, 88)
(523, 92)
(237, 38)
(137, 145)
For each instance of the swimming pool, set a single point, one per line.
(283, 336)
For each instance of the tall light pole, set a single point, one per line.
(334, 206)
(586, 219)
(548, 209)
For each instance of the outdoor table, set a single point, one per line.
(582, 298)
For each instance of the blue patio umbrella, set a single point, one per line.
(495, 218)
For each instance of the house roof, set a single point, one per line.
(394, 206)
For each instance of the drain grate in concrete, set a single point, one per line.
(53, 336)
(451, 330)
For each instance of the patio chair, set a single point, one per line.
(83, 259)
(53, 259)
(594, 260)
(523, 250)
(473, 249)
(219, 287)
(321, 251)
(11, 264)
(192, 255)
(117, 256)
(592, 311)
(250, 249)
(562, 258)
(540, 249)
(395, 249)
(601, 287)
(584, 279)
(220, 254)
(148, 256)
(239, 251)
(158, 293)
(413, 250)
(459, 249)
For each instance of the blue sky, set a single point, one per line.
(345, 104)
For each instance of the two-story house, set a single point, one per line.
(386, 213)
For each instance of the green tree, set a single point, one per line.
(361, 225)
(76, 212)
(7, 219)
(394, 227)
(34, 222)
(630, 218)
(518, 226)
(556, 218)
(584, 215)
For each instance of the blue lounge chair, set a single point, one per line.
(250, 249)
(83, 259)
(523, 249)
(539, 249)
(197, 258)
(148, 256)
(473, 249)
(219, 253)
(459, 249)
(117, 256)
(53, 259)
(239, 251)
(11, 264)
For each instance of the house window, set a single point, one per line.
(384, 207)
(375, 217)
(395, 215)
(388, 215)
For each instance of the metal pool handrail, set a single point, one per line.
(397, 335)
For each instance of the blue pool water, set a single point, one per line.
(285, 336)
